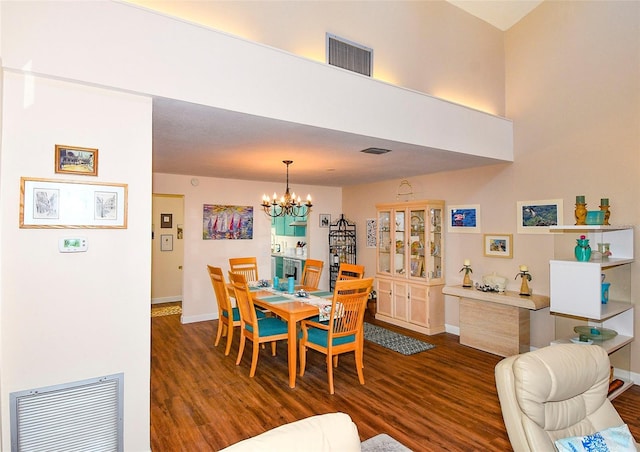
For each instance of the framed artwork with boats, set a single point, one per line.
(222, 222)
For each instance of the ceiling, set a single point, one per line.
(196, 140)
(502, 14)
(209, 142)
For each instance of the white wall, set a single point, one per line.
(441, 50)
(198, 299)
(167, 57)
(69, 317)
(573, 90)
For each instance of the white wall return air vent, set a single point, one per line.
(81, 416)
(349, 55)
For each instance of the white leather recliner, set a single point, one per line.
(555, 392)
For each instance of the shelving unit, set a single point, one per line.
(342, 247)
(576, 295)
(410, 265)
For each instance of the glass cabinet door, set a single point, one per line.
(384, 241)
(417, 264)
(399, 244)
(436, 252)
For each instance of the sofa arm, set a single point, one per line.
(324, 432)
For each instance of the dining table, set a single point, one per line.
(292, 309)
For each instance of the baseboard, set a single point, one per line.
(452, 329)
(197, 318)
(166, 299)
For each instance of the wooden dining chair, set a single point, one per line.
(343, 332)
(311, 273)
(228, 316)
(257, 330)
(350, 271)
(248, 266)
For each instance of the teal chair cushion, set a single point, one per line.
(320, 337)
(236, 314)
(270, 326)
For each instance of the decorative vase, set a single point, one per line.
(582, 249)
(524, 287)
(605, 292)
(581, 213)
(607, 214)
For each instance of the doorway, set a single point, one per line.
(167, 249)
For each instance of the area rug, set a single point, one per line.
(383, 443)
(394, 341)
(165, 310)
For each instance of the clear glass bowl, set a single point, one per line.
(595, 333)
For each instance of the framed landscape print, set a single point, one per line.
(463, 218)
(498, 245)
(535, 217)
(75, 160)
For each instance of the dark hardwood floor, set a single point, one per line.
(443, 399)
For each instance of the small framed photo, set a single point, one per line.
(75, 160)
(166, 220)
(535, 217)
(463, 218)
(325, 220)
(166, 242)
(498, 245)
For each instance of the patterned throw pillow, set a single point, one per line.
(614, 439)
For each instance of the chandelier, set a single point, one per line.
(288, 204)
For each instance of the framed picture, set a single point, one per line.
(180, 232)
(371, 233)
(325, 220)
(166, 220)
(498, 245)
(222, 222)
(463, 218)
(166, 242)
(72, 204)
(417, 266)
(75, 160)
(535, 217)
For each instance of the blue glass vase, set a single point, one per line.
(582, 250)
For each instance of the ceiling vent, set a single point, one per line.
(376, 151)
(349, 55)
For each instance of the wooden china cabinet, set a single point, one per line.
(410, 265)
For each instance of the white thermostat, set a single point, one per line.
(72, 244)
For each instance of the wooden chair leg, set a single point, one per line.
(360, 366)
(335, 361)
(303, 358)
(221, 326)
(273, 348)
(330, 373)
(254, 359)
(241, 349)
(229, 340)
